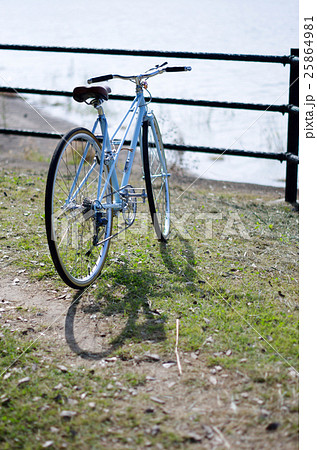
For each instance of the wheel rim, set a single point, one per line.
(73, 221)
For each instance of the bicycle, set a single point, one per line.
(83, 193)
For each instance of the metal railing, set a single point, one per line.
(290, 156)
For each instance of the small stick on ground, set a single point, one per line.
(176, 348)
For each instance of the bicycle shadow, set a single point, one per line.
(180, 262)
(119, 313)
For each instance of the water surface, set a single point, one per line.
(230, 26)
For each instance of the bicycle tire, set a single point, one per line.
(72, 227)
(156, 178)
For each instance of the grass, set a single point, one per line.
(47, 394)
(229, 273)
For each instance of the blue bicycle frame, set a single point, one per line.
(110, 159)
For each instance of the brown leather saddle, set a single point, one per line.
(83, 93)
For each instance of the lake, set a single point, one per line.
(246, 26)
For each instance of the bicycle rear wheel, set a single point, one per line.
(156, 177)
(73, 224)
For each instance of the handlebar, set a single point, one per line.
(138, 78)
(98, 79)
(178, 69)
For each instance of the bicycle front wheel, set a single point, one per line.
(156, 177)
(74, 226)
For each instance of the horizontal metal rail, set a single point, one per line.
(36, 134)
(172, 101)
(233, 152)
(182, 148)
(285, 59)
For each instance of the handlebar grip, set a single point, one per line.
(98, 79)
(178, 69)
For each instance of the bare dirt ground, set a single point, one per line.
(51, 316)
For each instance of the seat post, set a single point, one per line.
(99, 108)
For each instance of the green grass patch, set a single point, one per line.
(229, 274)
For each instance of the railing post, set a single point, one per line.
(293, 132)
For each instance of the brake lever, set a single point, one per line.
(158, 66)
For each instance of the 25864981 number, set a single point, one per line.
(308, 47)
